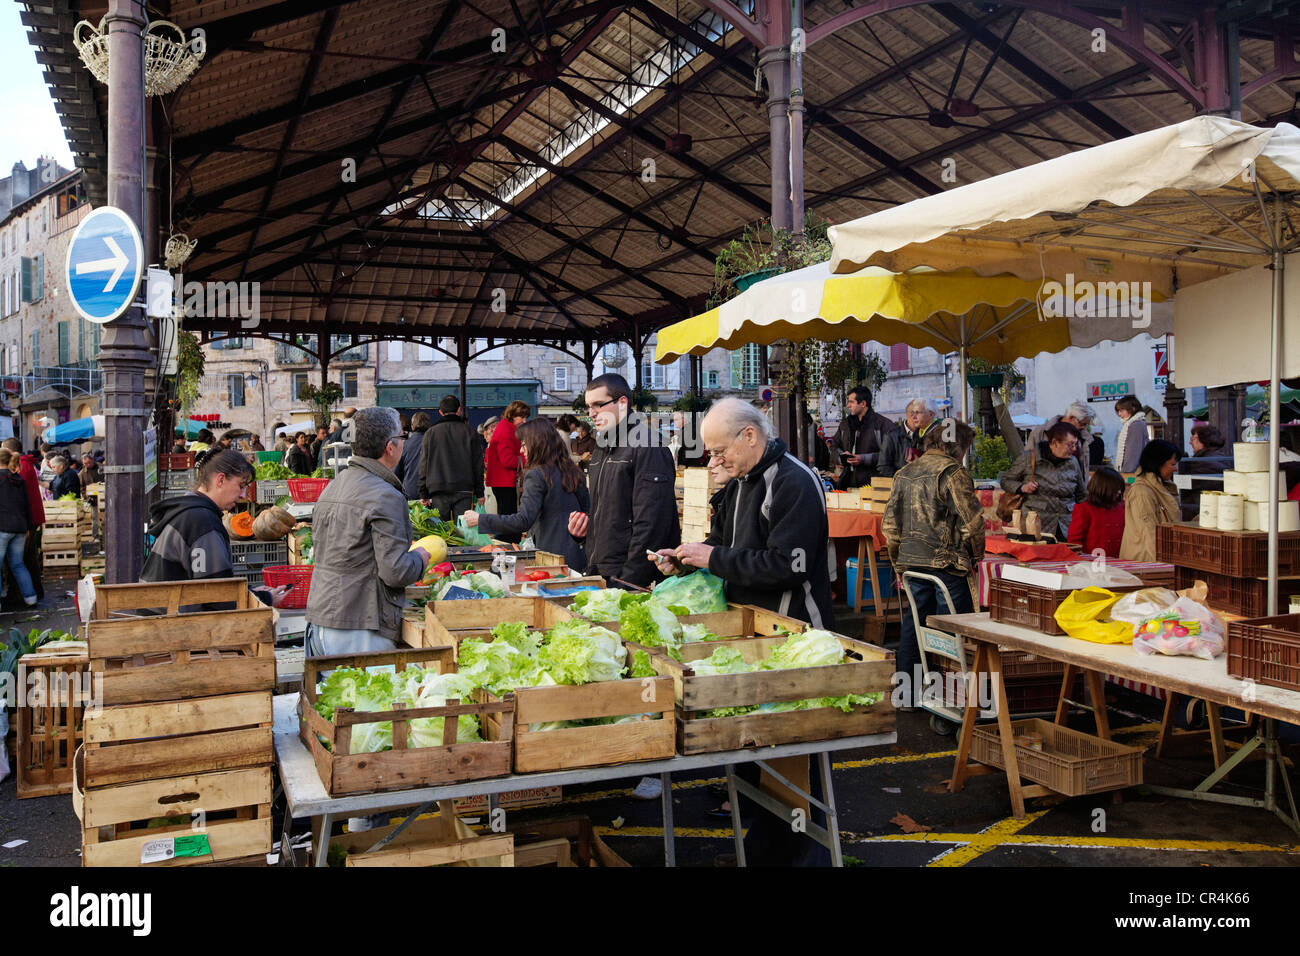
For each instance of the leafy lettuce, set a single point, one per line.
(599, 605)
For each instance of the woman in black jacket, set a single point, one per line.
(190, 540)
(15, 522)
(554, 488)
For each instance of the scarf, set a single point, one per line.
(1123, 436)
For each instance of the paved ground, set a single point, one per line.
(875, 790)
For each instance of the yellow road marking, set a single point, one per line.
(1080, 842)
(987, 839)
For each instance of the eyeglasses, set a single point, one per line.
(401, 437)
(720, 455)
(593, 409)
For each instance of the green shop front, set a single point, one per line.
(483, 399)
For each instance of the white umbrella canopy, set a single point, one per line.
(1174, 207)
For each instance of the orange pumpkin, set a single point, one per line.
(239, 525)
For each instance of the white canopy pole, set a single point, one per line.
(1274, 420)
(965, 400)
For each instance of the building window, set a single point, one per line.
(654, 376)
(33, 278)
(394, 351)
(349, 384)
(423, 352)
(711, 379)
(746, 366)
(64, 344)
(36, 349)
(899, 358)
(235, 391)
(561, 379)
(224, 340)
(299, 383)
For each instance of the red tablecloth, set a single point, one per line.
(994, 544)
(855, 524)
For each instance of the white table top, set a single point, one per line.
(1203, 679)
(307, 797)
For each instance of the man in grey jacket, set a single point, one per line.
(363, 554)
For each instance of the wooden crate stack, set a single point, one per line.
(50, 717)
(875, 497)
(698, 487)
(61, 538)
(178, 758)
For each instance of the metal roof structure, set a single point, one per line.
(567, 170)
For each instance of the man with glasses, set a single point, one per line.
(633, 503)
(770, 544)
(868, 443)
(364, 559)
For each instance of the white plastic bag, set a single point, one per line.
(1206, 645)
(1097, 574)
(1136, 606)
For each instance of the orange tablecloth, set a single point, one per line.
(856, 524)
(1027, 552)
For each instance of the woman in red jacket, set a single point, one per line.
(1098, 521)
(503, 461)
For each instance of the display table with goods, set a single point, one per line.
(864, 526)
(513, 693)
(1261, 658)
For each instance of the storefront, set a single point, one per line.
(483, 399)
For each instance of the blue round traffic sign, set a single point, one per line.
(105, 260)
(766, 394)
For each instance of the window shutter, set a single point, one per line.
(63, 343)
(898, 358)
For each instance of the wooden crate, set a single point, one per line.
(413, 626)
(755, 632)
(573, 747)
(62, 559)
(55, 690)
(60, 538)
(297, 539)
(696, 515)
(444, 840)
(62, 513)
(447, 623)
(154, 657)
(134, 742)
(542, 559)
(567, 841)
(402, 768)
(233, 807)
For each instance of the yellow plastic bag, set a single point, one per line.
(1080, 615)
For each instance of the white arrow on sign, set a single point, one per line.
(118, 264)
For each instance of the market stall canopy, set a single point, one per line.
(1176, 202)
(79, 429)
(997, 318)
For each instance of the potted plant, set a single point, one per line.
(324, 397)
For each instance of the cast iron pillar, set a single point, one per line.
(462, 360)
(1175, 406)
(124, 349)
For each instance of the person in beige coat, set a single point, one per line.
(1151, 500)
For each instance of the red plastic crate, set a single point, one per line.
(1245, 596)
(299, 575)
(176, 461)
(306, 490)
(1238, 554)
(1266, 650)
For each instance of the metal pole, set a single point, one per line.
(1275, 411)
(124, 349)
(796, 110)
(462, 359)
(965, 400)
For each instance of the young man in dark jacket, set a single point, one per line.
(632, 479)
(451, 467)
(870, 441)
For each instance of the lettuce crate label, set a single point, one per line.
(169, 848)
(510, 800)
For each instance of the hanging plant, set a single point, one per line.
(761, 251)
(324, 398)
(1011, 377)
(189, 371)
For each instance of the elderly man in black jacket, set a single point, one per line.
(769, 543)
(631, 479)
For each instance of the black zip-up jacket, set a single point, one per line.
(408, 467)
(450, 459)
(15, 509)
(299, 461)
(770, 539)
(68, 483)
(190, 544)
(875, 437)
(633, 509)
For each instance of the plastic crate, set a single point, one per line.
(173, 480)
(1239, 554)
(176, 461)
(299, 575)
(1071, 762)
(270, 489)
(166, 493)
(1011, 602)
(269, 456)
(1245, 596)
(306, 490)
(1266, 650)
(253, 556)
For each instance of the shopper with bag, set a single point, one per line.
(1047, 479)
